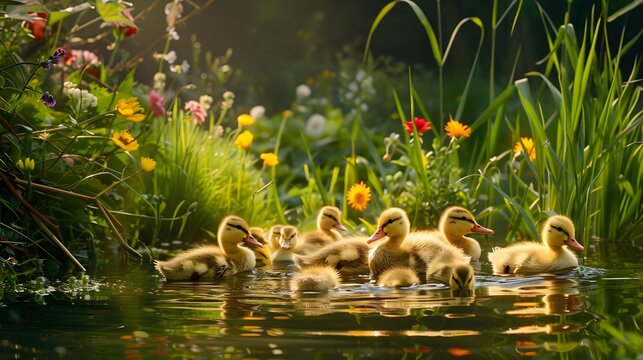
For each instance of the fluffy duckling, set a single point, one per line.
(287, 243)
(455, 223)
(398, 277)
(315, 279)
(211, 262)
(328, 222)
(273, 237)
(393, 224)
(348, 256)
(529, 257)
(263, 253)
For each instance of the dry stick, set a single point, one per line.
(36, 216)
(111, 221)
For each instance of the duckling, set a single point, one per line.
(398, 277)
(287, 243)
(262, 254)
(434, 259)
(348, 256)
(273, 237)
(212, 262)
(529, 257)
(455, 223)
(327, 221)
(315, 279)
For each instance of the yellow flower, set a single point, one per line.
(269, 159)
(358, 196)
(27, 165)
(130, 109)
(287, 113)
(245, 120)
(244, 140)
(456, 129)
(124, 140)
(527, 145)
(148, 164)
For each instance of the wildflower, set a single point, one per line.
(173, 12)
(228, 100)
(525, 145)
(173, 34)
(269, 159)
(156, 103)
(244, 140)
(287, 113)
(37, 26)
(128, 27)
(129, 108)
(316, 125)
(148, 164)
(54, 59)
(159, 81)
(245, 120)
(206, 101)
(125, 140)
(80, 58)
(303, 91)
(48, 99)
(257, 111)
(197, 110)
(421, 125)
(170, 57)
(358, 196)
(456, 129)
(27, 165)
(82, 98)
(180, 69)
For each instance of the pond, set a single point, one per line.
(592, 312)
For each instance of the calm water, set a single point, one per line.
(594, 312)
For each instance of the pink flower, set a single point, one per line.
(156, 103)
(80, 58)
(197, 110)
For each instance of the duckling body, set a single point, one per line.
(211, 262)
(287, 243)
(273, 237)
(347, 256)
(398, 277)
(263, 254)
(529, 257)
(429, 257)
(315, 279)
(328, 222)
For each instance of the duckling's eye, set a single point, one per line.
(560, 228)
(276, 234)
(330, 217)
(390, 221)
(463, 218)
(456, 281)
(240, 228)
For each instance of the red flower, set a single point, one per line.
(128, 30)
(37, 26)
(421, 124)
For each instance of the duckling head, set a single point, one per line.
(462, 281)
(258, 234)
(329, 217)
(558, 231)
(273, 236)
(393, 222)
(234, 230)
(458, 221)
(288, 237)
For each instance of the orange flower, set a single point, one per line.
(125, 140)
(148, 164)
(358, 196)
(269, 159)
(130, 109)
(244, 140)
(525, 145)
(456, 129)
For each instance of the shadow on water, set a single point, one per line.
(135, 314)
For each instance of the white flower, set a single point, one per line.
(159, 81)
(257, 111)
(303, 91)
(361, 74)
(170, 57)
(316, 125)
(173, 34)
(206, 101)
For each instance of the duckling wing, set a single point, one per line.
(198, 263)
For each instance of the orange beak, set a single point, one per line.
(572, 243)
(378, 235)
(339, 226)
(250, 240)
(479, 229)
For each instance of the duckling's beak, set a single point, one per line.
(572, 243)
(339, 226)
(285, 244)
(479, 229)
(250, 240)
(378, 235)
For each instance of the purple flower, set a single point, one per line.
(54, 59)
(45, 65)
(48, 99)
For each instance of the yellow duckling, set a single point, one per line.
(398, 277)
(212, 262)
(263, 253)
(437, 260)
(315, 279)
(273, 237)
(529, 257)
(348, 256)
(328, 222)
(287, 243)
(455, 223)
